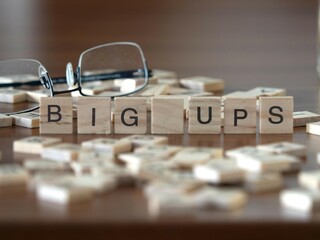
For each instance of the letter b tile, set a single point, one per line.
(56, 115)
(130, 115)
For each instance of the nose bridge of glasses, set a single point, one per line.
(70, 75)
(44, 77)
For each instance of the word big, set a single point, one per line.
(205, 115)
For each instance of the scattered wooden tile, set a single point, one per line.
(134, 161)
(301, 118)
(146, 140)
(167, 116)
(86, 166)
(12, 175)
(108, 145)
(164, 151)
(160, 73)
(300, 199)
(35, 165)
(154, 90)
(291, 148)
(130, 115)
(220, 198)
(219, 172)
(64, 152)
(310, 179)
(56, 115)
(63, 192)
(8, 95)
(94, 115)
(264, 182)
(204, 115)
(266, 92)
(5, 121)
(313, 128)
(172, 204)
(34, 144)
(191, 156)
(265, 162)
(27, 120)
(35, 95)
(276, 115)
(240, 115)
(201, 83)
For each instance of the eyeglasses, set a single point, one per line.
(112, 70)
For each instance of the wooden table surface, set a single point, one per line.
(247, 43)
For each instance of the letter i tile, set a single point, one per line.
(56, 115)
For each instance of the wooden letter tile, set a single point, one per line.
(313, 128)
(167, 116)
(240, 115)
(64, 152)
(130, 115)
(28, 120)
(276, 115)
(12, 95)
(5, 121)
(302, 118)
(56, 115)
(204, 115)
(146, 140)
(201, 83)
(34, 144)
(94, 115)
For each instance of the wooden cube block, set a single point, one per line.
(302, 118)
(8, 95)
(5, 121)
(146, 140)
(313, 128)
(276, 115)
(12, 175)
(202, 83)
(204, 115)
(167, 116)
(34, 144)
(28, 120)
(240, 115)
(94, 115)
(64, 152)
(130, 115)
(56, 115)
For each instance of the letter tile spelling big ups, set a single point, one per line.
(276, 115)
(130, 115)
(56, 115)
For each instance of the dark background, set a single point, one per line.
(240, 41)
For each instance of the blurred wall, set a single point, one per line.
(236, 40)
